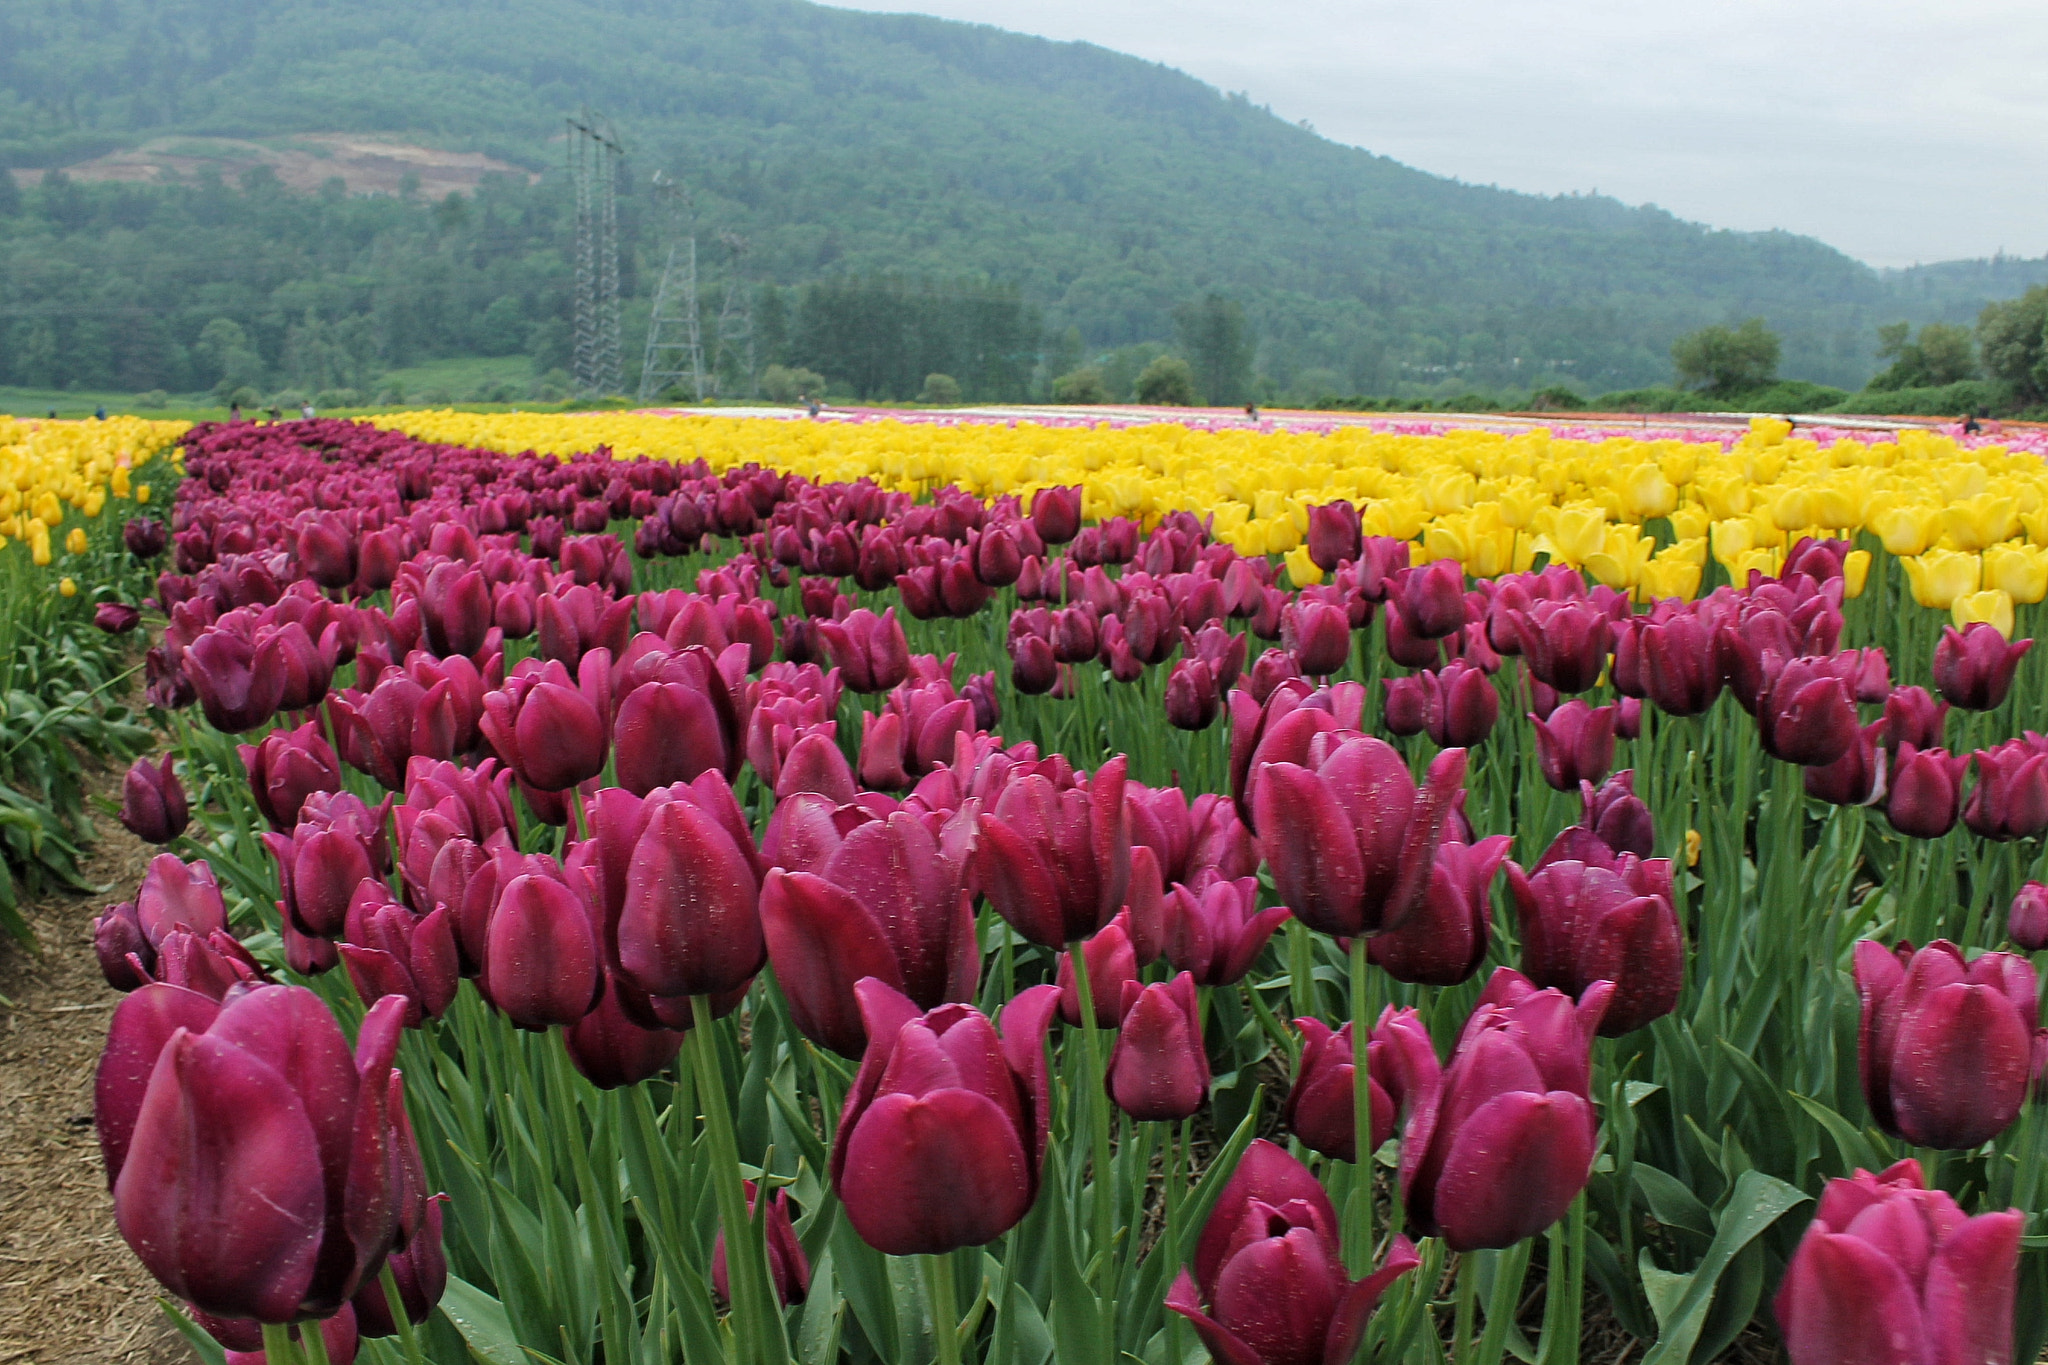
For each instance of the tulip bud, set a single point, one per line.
(943, 1135)
(689, 921)
(1159, 1071)
(1406, 709)
(1926, 792)
(1318, 635)
(1057, 864)
(1268, 1286)
(546, 729)
(541, 963)
(145, 537)
(153, 803)
(1351, 866)
(1680, 674)
(1973, 667)
(1858, 777)
(788, 1267)
(611, 1048)
(1192, 698)
(1112, 964)
(1318, 1109)
(1446, 940)
(1912, 716)
(1462, 705)
(2011, 797)
(239, 681)
(1575, 744)
(116, 618)
(1431, 599)
(1056, 513)
(1892, 1271)
(1497, 1149)
(1946, 1046)
(286, 768)
(1564, 644)
(2026, 924)
(869, 650)
(1617, 816)
(1583, 924)
(1272, 668)
(1333, 534)
(1218, 932)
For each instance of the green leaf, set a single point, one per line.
(203, 1344)
(481, 1320)
(817, 1336)
(1857, 1150)
(1671, 1202)
(1756, 1202)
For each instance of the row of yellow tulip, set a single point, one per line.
(1967, 522)
(50, 470)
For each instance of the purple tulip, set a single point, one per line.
(1056, 513)
(1334, 535)
(688, 920)
(1431, 600)
(2011, 797)
(1805, 714)
(1974, 666)
(869, 650)
(1268, 1286)
(259, 1169)
(153, 803)
(889, 902)
(1218, 932)
(1193, 699)
(1158, 1070)
(286, 768)
(1892, 1273)
(1565, 644)
(1499, 1144)
(1318, 635)
(1858, 777)
(547, 729)
(1351, 839)
(1617, 817)
(1946, 1046)
(145, 537)
(1057, 864)
(1318, 1107)
(336, 844)
(788, 1267)
(943, 1134)
(1584, 923)
(116, 618)
(421, 1272)
(1446, 940)
(392, 951)
(239, 681)
(613, 1048)
(1680, 673)
(2026, 924)
(1912, 716)
(455, 609)
(1926, 791)
(1574, 744)
(1462, 705)
(1112, 963)
(1406, 710)
(541, 961)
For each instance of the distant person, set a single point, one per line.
(275, 414)
(53, 414)
(234, 412)
(306, 409)
(100, 413)
(811, 404)
(1251, 410)
(1970, 424)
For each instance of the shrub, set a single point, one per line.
(782, 383)
(1080, 386)
(1167, 381)
(1725, 361)
(940, 390)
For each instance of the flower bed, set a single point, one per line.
(842, 893)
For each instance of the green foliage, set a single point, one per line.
(1556, 398)
(1725, 361)
(1213, 335)
(1167, 380)
(1942, 354)
(1080, 386)
(940, 390)
(2014, 340)
(781, 384)
(879, 335)
(1972, 395)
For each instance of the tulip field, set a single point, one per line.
(649, 889)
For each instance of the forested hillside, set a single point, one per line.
(1101, 190)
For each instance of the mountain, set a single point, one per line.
(1103, 189)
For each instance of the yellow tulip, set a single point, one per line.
(1301, 570)
(1690, 522)
(1571, 534)
(75, 542)
(1855, 572)
(1979, 522)
(2020, 571)
(67, 587)
(1939, 577)
(1767, 562)
(1647, 494)
(1732, 539)
(1907, 530)
(1692, 848)
(1669, 578)
(1991, 606)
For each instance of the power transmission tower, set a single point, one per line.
(736, 313)
(675, 347)
(594, 155)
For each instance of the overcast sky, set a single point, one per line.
(1897, 130)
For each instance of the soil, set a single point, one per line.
(70, 1290)
(365, 165)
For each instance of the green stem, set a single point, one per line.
(1358, 1220)
(278, 1347)
(408, 1338)
(1091, 1108)
(313, 1342)
(938, 1278)
(1510, 1267)
(1468, 1307)
(742, 1265)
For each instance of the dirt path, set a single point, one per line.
(70, 1291)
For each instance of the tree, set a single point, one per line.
(1943, 354)
(1726, 361)
(2013, 337)
(940, 390)
(1218, 344)
(1167, 381)
(229, 360)
(10, 194)
(1080, 386)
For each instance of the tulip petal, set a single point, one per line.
(1223, 1347)
(1310, 845)
(1347, 1324)
(1513, 1168)
(1970, 1291)
(934, 1173)
(690, 924)
(1960, 1067)
(1844, 1302)
(822, 941)
(221, 1196)
(143, 1022)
